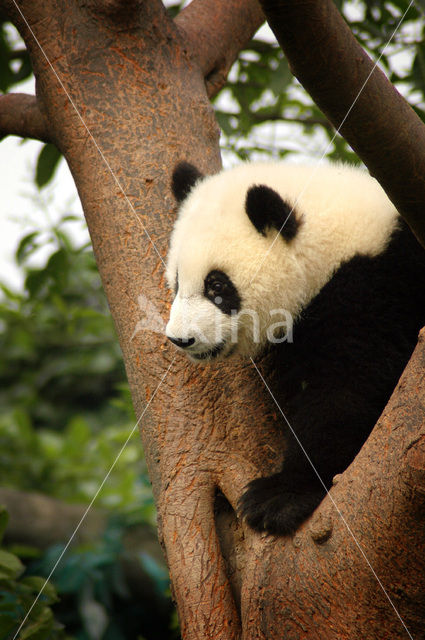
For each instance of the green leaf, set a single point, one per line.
(35, 280)
(6, 74)
(41, 628)
(10, 565)
(7, 626)
(421, 5)
(37, 584)
(47, 163)
(26, 247)
(281, 78)
(4, 518)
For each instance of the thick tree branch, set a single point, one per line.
(111, 7)
(20, 115)
(121, 13)
(357, 98)
(40, 521)
(30, 11)
(335, 559)
(217, 48)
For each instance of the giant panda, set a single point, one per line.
(326, 249)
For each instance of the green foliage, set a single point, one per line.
(15, 64)
(263, 110)
(65, 405)
(15, 67)
(47, 164)
(18, 596)
(173, 7)
(72, 465)
(95, 599)
(60, 356)
(56, 439)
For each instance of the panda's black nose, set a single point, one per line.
(182, 342)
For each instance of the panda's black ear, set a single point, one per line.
(266, 209)
(185, 175)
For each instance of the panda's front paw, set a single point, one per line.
(270, 505)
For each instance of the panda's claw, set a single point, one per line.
(270, 505)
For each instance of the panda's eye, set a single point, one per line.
(221, 291)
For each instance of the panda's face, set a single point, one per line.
(221, 305)
(243, 264)
(204, 314)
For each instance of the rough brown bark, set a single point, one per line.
(205, 29)
(20, 115)
(142, 94)
(373, 117)
(143, 99)
(320, 585)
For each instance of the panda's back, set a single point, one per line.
(362, 327)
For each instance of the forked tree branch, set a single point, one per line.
(131, 13)
(20, 115)
(30, 11)
(357, 98)
(216, 31)
(112, 6)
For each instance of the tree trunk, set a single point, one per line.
(126, 98)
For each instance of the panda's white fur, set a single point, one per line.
(342, 212)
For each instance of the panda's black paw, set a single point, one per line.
(270, 505)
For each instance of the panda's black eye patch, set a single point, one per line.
(219, 288)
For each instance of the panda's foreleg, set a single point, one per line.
(278, 507)
(330, 429)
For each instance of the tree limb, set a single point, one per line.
(110, 7)
(340, 561)
(217, 48)
(26, 11)
(357, 98)
(121, 12)
(20, 115)
(40, 521)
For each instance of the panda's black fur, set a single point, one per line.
(351, 344)
(350, 347)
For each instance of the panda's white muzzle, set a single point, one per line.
(198, 327)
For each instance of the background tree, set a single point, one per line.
(197, 441)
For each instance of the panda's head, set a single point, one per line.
(231, 264)
(244, 262)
